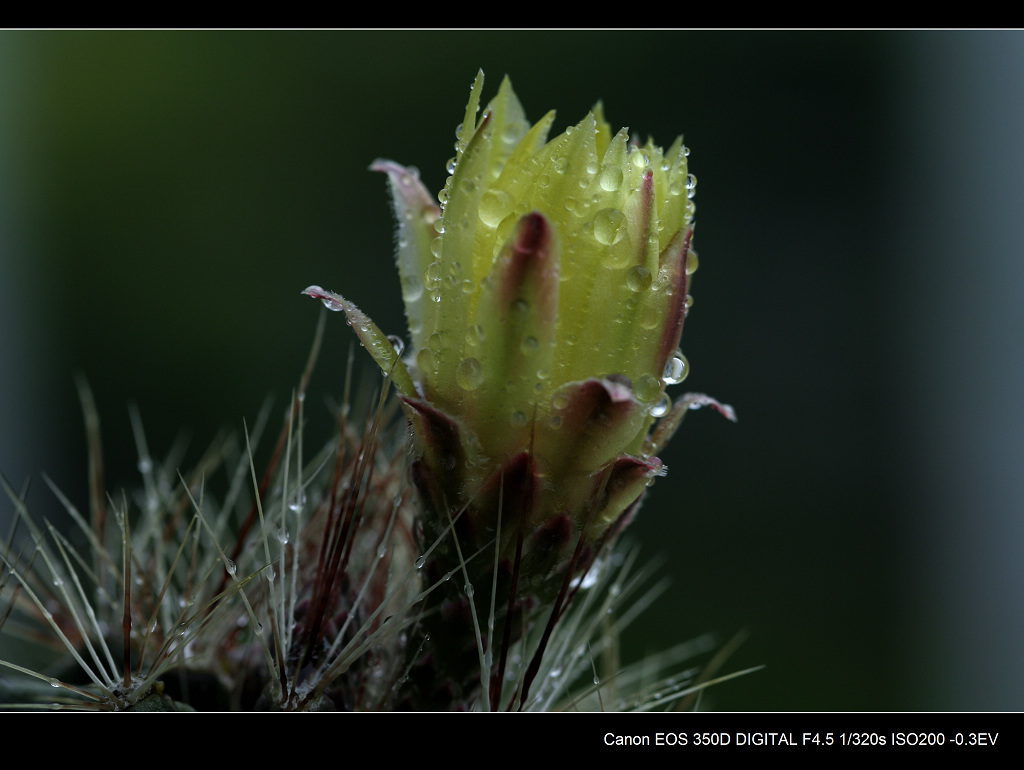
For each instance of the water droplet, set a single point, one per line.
(638, 278)
(691, 262)
(469, 374)
(470, 591)
(230, 566)
(495, 205)
(397, 344)
(298, 500)
(518, 419)
(609, 226)
(426, 361)
(420, 561)
(611, 178)
(283, 536)
(432, 275)
(450, 165)
(437, 341)
(661, 408)
(647, 388)
(382, 550)
(529, 346)
(691, 185)
(676, 369)
(520, 310)
(259, 629)
(560, 401)
(145, 465)
(475, 335)
(54, 682)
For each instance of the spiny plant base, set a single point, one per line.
(301, 588)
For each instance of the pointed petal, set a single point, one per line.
(628, 478)
(416, 211)
(593, 420)
(516, 319)
(669, 424)
(375, 341)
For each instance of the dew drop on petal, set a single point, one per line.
(638, 278)
(609, 226)
(331, 304)
(611, 178)
(495, 205)
(676, 369)
(469, 374)
(529, 345)
(432, 275)
(691, 262)
(647, 388)
(426, 361)
(397, 344)
(412, 288)
(661, 408)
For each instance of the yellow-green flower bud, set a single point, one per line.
(545, 299)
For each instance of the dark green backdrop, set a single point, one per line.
(168, 195)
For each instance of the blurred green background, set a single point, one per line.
(167, 195)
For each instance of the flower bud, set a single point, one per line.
(545, 298)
